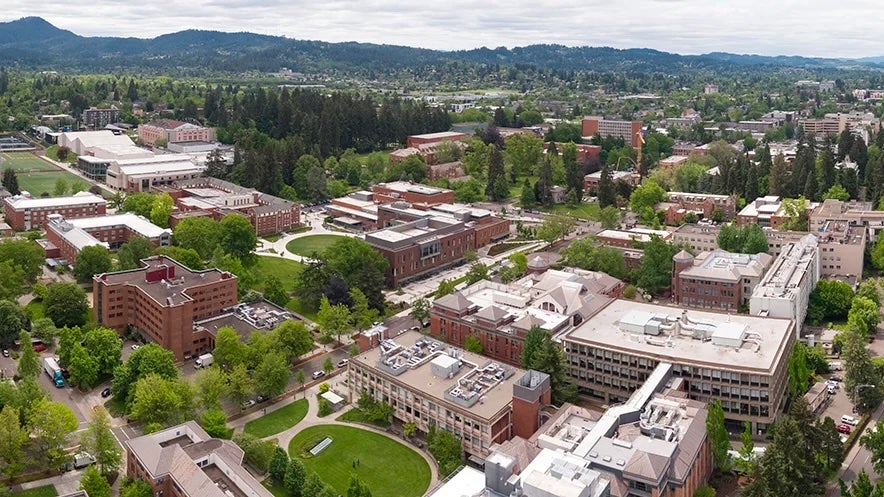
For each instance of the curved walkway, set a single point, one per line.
(312, 419)
(279, 246)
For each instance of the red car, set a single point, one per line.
(843, 428)
(39, 347)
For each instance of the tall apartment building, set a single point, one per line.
(162, 300)
(629, 131)
(654, 444)
(717, 280)
(212, 197)
(66, 238)
(95, 118)
(429, 383)
(24, 212)
(738, 360)
(174, 131)
(500, 315)
(184, 461)
(785, 290)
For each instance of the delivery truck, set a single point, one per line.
(203, 361)
(50, 365)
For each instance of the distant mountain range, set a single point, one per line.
(32, 42)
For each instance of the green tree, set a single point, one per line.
(12, 441)
(240, 384)
(863, 316)
(785, 470)
(361, 315)
(148, 359)
(161, 209)
(10, 181)
(556, 227)
(13, 320)
(477, 273)
(746, 461)
(28, 363)
(334, 319)
(201, 234)
(50, 424)
(719, 440)
(44, 329)
(527, 199)
(420, 311)
(105, 346)
(272, 375)
(837, 192)
(795, 216)
(61, 187)
(65, 304)
(446, 287)
(830, 300)
(24, 255)
(133, 251)
(646, 196)
(92, 260)
(135, 488)
(94, 483)
(862, 487)
(446, 449)
(82, 366)
(299, 377)
(357, 488)
(210, 386)
(188, 257)
(278, 465)
(609, 217)
(873, 441)
(497, 187)
(472, 344)
(162, 401)
(361, 266)
(862, 380)
(214, 421)
(138, 203)
(541, 353)
(99, 440)
(295, 478)
(229, 350)
(799, 372)
(238, 238)
(293, 338)
(328, 366)
(545, 179)
(524, 152)
(867, 289)
(258, 453)
(275, 292)
(655, 272)
(573, 171)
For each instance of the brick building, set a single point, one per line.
(174, 131)
(703, 204)
(162, 300)
(212, 197)
(717, 280)
(413, 193)
(184, 461)
(591, 181)
(629, 131)
(66, 238)
(429, 383)
(766, 212)
(500, 315)
(631, 238)
(414, 141)
(24, 212)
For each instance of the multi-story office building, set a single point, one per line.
(500, 315)
(785, 290)
(853, 212)
(215, 198)
(629, 131)
(95, 118)
(66, 238)
(162, 300)
(697, 237)
(24, 212)
(428, 383)
(841, 246)
(738, 360)
(717, 280)
(631, 238)
(184, 461)
(174, 131)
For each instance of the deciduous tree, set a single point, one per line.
(131, 253)
(66, 304)
(12, 440)
(92, 260)
(201, 234)
(719, 439)
(99, 440)
(51, 423)
(272, 375)
(94, 483)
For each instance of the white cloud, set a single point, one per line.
(786, 27)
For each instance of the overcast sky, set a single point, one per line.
(769, 27)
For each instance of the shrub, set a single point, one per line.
(629, 292)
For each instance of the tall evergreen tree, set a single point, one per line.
(544, 182)
(573, 171)
(778, 180)
(607, 193)
(497, 187)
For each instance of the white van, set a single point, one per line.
(849, 420)
(835, 366)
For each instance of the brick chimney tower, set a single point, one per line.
(530, 393)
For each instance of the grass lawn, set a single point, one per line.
(276, 490)
(36, 309)
(25, 161)
(382, 461)
(588, 211)
(44, 182)
(44, 491)
(284, 269)
(278, 420)
(271, 238)
(296, 306)
(52, 153)
(314, 243)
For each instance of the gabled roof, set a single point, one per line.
(682, 255)
(492, 313)
(455, 301)
(647, 465)
(527, 322)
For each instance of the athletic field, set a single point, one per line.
(34, 174)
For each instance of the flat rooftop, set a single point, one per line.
(82, 198)
(783, 280)
(164, 279)
(408, 187)
(604, 330)
(439, 135)
(423, 375)
(134, 222)
(697, 229)
(727, 266)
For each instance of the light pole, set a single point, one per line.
(856, 389)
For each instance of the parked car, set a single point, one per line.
(39, 347)
(835, 377)
(106, 392)
(135, 346)
(850, 420)
(318, 374)
(343, 362)
(247, 404)
(843, 428)
(261, 398)
(5, 352)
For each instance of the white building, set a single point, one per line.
(784, 292)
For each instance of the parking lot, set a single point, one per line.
(837, 404)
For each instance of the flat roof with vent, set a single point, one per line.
(734, 341)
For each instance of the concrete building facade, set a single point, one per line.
(629, 131)
(95, 118)
(162, 300)
(785, 290)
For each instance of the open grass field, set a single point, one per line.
(382, 461)
(284, 269)
(586, 210)
(25, 161)
(44, 491)
(35, 175)
(314, 243)
(278, 420)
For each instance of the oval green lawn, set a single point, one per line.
(305, 246)
(389, 468)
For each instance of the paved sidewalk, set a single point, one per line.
(312, 419)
